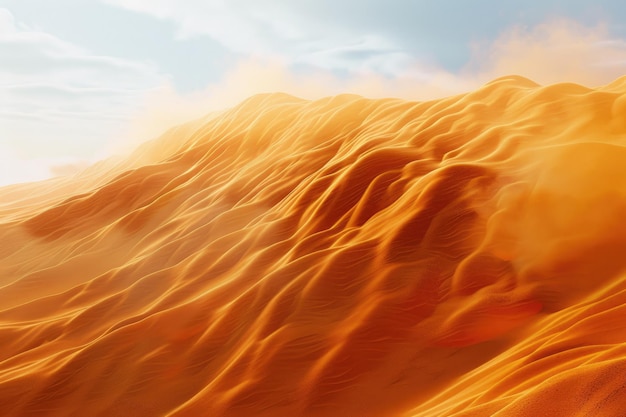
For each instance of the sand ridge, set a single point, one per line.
(337, 257)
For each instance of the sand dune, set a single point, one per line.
(339, 257)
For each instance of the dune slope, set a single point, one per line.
(338, 257)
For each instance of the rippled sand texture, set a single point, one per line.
(341, 257)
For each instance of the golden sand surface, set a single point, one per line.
(343, 257)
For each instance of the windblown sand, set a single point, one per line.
(343, 257)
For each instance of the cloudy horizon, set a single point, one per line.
(81, 79)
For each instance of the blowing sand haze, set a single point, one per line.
(340, 257)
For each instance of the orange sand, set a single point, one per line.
(341, 257)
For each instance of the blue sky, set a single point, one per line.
(82, 78)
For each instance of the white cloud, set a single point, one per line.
(277, 30)
(32, 55)
(345, 36)
(60, 103)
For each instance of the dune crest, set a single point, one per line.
(337, 257)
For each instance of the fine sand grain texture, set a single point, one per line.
(344, 257)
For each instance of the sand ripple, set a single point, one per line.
(338, 257)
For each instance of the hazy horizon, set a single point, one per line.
(81, 80)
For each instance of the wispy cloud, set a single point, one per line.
(58, 100)
(382, 38)
(278, 30)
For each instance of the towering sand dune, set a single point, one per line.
(340, 257)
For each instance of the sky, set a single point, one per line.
(83, 79)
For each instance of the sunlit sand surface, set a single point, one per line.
(340, 257)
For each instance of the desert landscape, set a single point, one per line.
(337, 257)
